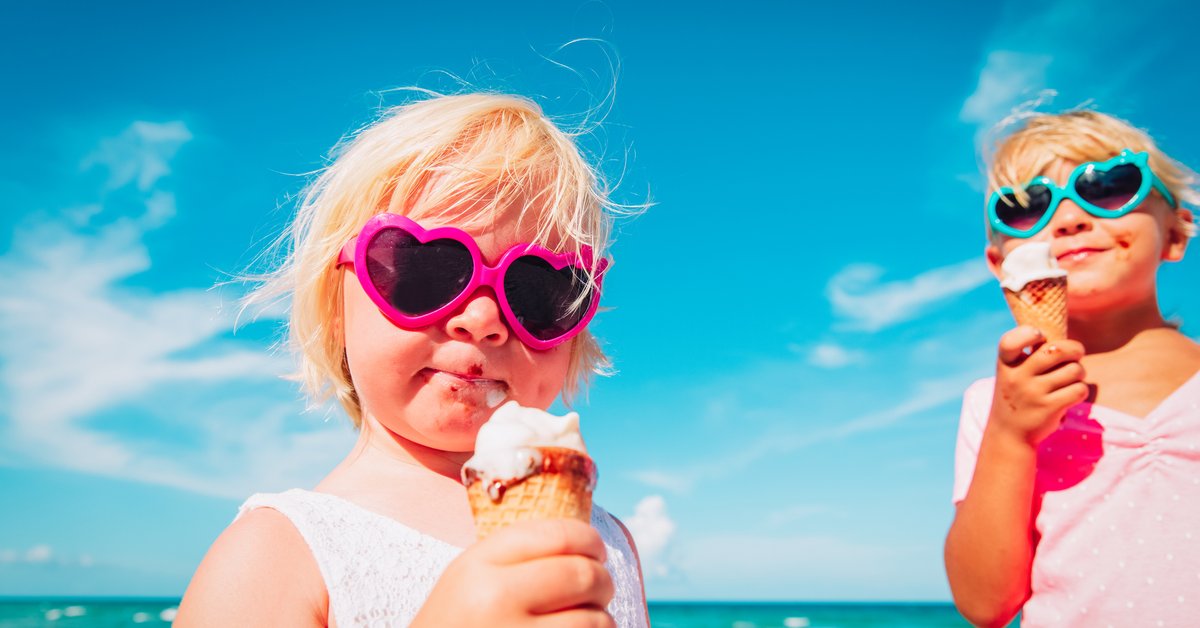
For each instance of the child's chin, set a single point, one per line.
(1085, 298)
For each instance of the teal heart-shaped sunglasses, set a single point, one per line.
(1105, 189)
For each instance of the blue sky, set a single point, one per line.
(793, 321)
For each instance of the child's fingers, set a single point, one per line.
(1014, 342)
(527, 540)
(1052, 355)
(562, 582)
(577, 618)
(1068, 395)
(1062, 375)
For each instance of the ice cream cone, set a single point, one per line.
(1041, 303)
(560, 486)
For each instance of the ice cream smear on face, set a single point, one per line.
(1026, 263)
(509, 446)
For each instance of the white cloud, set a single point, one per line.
(830, 355)
(925, 395)
(38, 554)
(141, 153)
(77, 339)
(652, 529)
(1008, 79)
(1028, 59)
(666, 480)
(76, 342)
(865, 303)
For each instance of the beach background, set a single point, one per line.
(793, 321)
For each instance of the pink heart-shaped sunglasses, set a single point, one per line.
(417, 277)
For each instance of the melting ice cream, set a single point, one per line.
(1026, 263)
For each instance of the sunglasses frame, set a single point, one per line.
(355, 251)
(1150, 181)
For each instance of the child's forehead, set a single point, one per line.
(503, 221)
(519, 207)
(1049, 161)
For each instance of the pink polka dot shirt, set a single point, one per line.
(1117, 508)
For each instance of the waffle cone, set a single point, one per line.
(1042, 303)
(560, 487)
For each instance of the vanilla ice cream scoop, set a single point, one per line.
(507, 447)
(1026, 263)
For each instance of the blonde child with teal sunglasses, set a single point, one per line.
(1077, 478)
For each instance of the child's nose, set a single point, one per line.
(478, 320)
(1070, 219)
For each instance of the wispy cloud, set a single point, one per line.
(652, 529)
(1008, 79)
(926, 395)
(866, 303)
(666, 480)
(1029, 54)
(141, 153)
(77, 340)
(42, 554)
(831, 355)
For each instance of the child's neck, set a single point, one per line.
(378, 449)
(1111, 329)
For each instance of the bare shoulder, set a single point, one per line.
(258, 572)
(1181, 353)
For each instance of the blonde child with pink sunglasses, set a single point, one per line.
(449, 258)
(1077, 477)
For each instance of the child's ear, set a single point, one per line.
(994, 259)
(1177, 240)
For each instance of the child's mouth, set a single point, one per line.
(1075, 256)
(466, 384)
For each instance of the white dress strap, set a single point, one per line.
(628, 606)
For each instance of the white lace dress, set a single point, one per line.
(378, 571)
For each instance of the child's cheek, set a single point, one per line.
(1124, 246)
(547, 374)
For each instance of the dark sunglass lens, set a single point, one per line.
(1023, 217)
(417, 278)
(1111, 189)
(546, 301)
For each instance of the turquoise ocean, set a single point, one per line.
(111, 613)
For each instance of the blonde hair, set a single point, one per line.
(1080, 136)
(470, 159)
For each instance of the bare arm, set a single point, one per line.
(259, 572)
(990, 546)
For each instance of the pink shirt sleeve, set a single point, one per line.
(977, 401)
